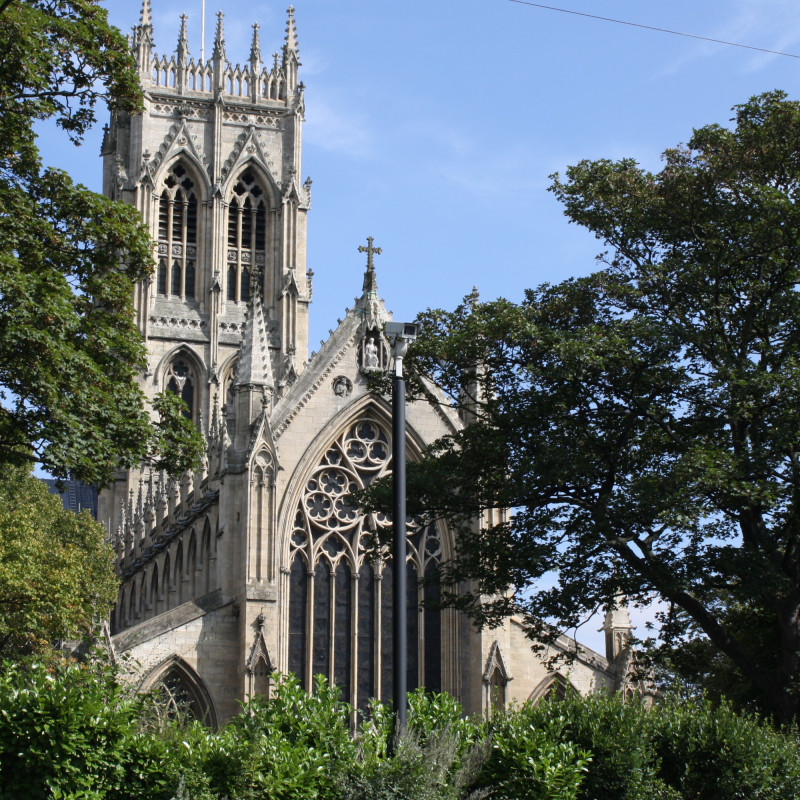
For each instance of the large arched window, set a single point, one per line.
(181, 380)
(247, 234)
(340, 598)
(177, 235)
(179, 692)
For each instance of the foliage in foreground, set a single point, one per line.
(70, 731)
(56, 571)
(643, 421)
(70, 350)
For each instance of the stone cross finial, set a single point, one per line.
(370, 251)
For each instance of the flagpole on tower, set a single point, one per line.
(203, 33)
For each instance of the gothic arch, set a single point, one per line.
(182, 371)
(337, 578)
(183, 690)
(365, 406)
(178, 199)
(554, 685)
(192, 163)
(263, 175)
(249, 230)
(228, 375)
(181, 349)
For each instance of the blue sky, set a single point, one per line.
(433, 126)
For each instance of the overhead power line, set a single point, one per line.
(654, 28)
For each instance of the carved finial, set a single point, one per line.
(276, 60)
(183, 41)
(146, 15)
(370, 281)
(291, 32)
(183, 38)
(219, 39)
(255, 47)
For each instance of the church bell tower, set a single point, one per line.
(213, 165)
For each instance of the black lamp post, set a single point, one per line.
(400, 335)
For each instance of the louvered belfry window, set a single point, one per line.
(177, 235)
(340, 596)
(247, 235)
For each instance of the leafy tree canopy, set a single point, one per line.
(642, 423)
(69, 260)
(56, 571)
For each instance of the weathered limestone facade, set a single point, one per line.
(256, 562)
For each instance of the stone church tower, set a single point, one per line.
(257, 562)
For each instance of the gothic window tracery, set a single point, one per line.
(340, 598)
(177, 235)
(247, 234)
(181, 380)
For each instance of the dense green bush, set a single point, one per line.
(68, 731)
(714, 753)
(64, 730)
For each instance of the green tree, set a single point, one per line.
(56, 570)
(642, 423)
(69, 260)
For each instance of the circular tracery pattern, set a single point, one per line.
(339, 583)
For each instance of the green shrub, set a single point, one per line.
(528, 762)
(294, 745)
(64, 731)
(713, 753)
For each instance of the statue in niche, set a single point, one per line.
(371, 354)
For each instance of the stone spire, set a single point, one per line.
(254, 367)
(291, 55)
(146, 15)
(143, 40)
(183, 55)
(218, 57)
(255, 46)
(183, 39)
(219, 38)
(255, 65)
(253, 383)
(291, 33)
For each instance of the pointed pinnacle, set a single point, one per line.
(219, 38)
(254, 367)
(291, 31)
(146, 16)
(255, 47)
(183, 38)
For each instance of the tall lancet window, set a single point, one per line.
(340, 597)
(247, 234)
(177, 235)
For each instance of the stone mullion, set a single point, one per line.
(332, 626)
(239, 212)
(378, 654)
(309, 676)
(354, 584)
(184, 234)
(170, 217)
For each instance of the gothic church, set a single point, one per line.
(256, 562)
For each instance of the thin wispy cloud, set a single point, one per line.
(771, 24)
(339, 129)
